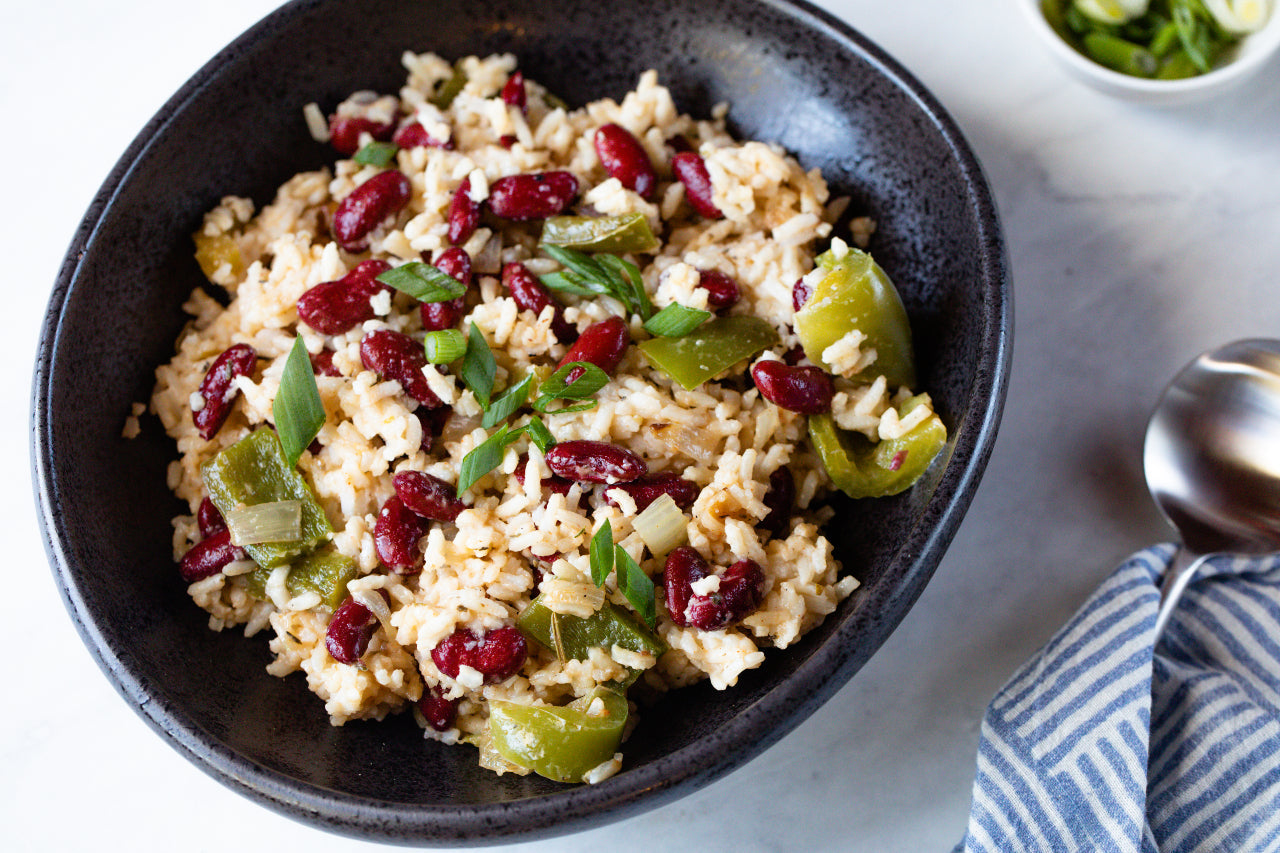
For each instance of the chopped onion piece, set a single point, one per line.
(373, 602)
(278, 521)
(662, 526)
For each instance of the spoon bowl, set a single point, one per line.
(1212, 457)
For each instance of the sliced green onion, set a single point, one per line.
(484, 457)
(507, 405)
(602, 554)
(376, 154)
(297, 409)
(539, 434)
(675, 321)
(449, 89)
(589, 381)
(635, 585)
(444, 346)
(479, 367)
(598, 275)
(662, 526)
(277, 521)
(423, 282)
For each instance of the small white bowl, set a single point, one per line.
(1253, 53)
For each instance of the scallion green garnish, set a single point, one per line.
(484, 457)
(635, 585)
(423, 282)
(589, 380)
(376, 154)
(598, 275)
(602, 554)
(444, 346)
(508, 403)
(297, 409)
(675, 321)
(479, 367)
(539, 434)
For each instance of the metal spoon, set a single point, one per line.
(1212, 459)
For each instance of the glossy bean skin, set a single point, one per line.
(691, 170)
(209, 556)
(532, 295)
(722, 290)
(807, 390)
(498, 654)
(464, 214)
(396, 534)
(428, 496)
(217, 391)
(780, 499)
(438, 711)
(742, 588)
(624, 158)
(684, 567)
(397, 356)
(536, 195)
(647, 489)
(414, 135)
(322, 364)
(800, 293)
(513, 92)
(209, 518)
(349, 632)
(585, 461)
(436, 316)
(337, 307)
(602, 344)
(344, 132)
(367, 206)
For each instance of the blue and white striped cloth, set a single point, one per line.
(1099, 744)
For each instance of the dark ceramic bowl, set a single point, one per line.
(792, 75)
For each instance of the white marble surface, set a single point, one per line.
(1139, 236)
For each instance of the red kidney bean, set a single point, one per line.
(507, 140)
(742, 588)
(624, 158)
(336, 307)
(807, 390)
(556, 484)
(438, 711)
(464, 214)
(647, 489)
(209, 556)
(432, 421)
(794, 355)
(456, 262)
(428, 496)
(680, 144)
(692, 172)
(414, 135)
(602, 344)
(383, 195)
(532, 196)
(800, 293)
(780, 498)
(532, 295)
(684, 566)
(344, 132)
(396, 534)
(322, 364)
(393, 355)
(513, 92)
(595, 462)
(722, 291)
(349, 632)
(217, 390)
(209, 518)
(498, 654)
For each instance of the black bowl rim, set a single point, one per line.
(666, 778)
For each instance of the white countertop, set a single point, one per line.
(1139, 237)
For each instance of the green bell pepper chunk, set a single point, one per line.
(863, 469)
(572, 637)
(710, 349)
(254, 471)
(856, 294)
(616, 235)
(449, 89)
(563, 744)
(323, 571)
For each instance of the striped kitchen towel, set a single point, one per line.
(1099, 744)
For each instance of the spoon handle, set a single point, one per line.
(1184, 567)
